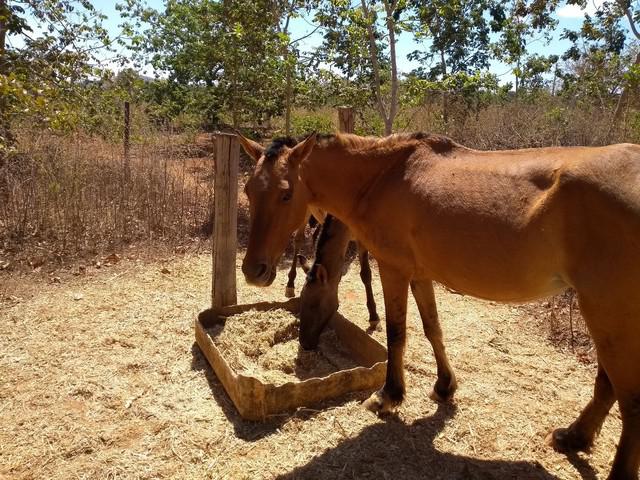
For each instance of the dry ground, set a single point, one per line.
(100, 378)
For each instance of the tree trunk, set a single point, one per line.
(3, 33)
(6, 137)
(287, 111)
(445, 96)
(622, 101)
(617, 114)
(391, 27)
(388, 117)
(345, 119)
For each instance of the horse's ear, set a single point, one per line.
(304, 263)
(253, 149)
(302, 150)
(322, 274)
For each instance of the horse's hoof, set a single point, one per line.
(563, 440)
(443, 394)
(440, 398)
(289, 292)
(380, 403)
(373, 323)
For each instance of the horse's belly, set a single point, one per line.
(505, 289)
(493, 259)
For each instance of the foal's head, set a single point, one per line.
(278, 203)
(318, 301)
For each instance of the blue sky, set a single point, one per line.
(569, 17)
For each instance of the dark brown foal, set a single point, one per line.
(319, 299)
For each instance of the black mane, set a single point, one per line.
(277, 144)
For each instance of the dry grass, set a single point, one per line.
(519, 123)
(101, 379)
(67, 196)
(265, 345)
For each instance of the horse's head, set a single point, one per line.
(318, 302)
(278, 203)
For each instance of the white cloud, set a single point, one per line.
(574, 11)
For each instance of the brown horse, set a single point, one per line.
(507, 225)
(299, 235)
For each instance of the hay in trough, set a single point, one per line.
(265, 345)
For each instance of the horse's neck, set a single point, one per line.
(337, 177)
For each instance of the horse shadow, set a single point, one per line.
(393, 449)
(389, 449)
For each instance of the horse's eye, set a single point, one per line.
(287, 196)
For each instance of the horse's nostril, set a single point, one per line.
(261, 270)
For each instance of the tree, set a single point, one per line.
(42, 78)
(460, 42)
(238, 51)
(356, 41)
(519, 22)
(603, 39)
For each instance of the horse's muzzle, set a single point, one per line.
(259, 274)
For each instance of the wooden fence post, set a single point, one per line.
(345, 119)
(127, 141)
(225, 221)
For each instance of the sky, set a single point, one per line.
(569, 17)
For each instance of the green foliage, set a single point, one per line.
(45, 81)
(634, 124)
(459, 32)
(471, 87)
(233, 53)
(311, 122)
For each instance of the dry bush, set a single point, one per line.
(565, 327)
(63, 196)
(518, 123)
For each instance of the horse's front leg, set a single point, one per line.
(298, 242)
(365, 276)
(395, 286)
(424, 295)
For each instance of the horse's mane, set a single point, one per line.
(439, 143)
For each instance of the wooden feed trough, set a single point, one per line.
(256, 399)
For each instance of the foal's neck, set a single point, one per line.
(332, 246)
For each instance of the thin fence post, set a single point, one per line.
(126, 140)
(225, 221)
(345, 119)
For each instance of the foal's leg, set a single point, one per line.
(395, 286)
(365, 276)
(298, 242)
(446, 383)
(581, 433)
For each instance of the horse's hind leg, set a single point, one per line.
(613, 322)
(298, 242)
(365, 276)
(627, 460)
(581, 433)
(446, 383)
